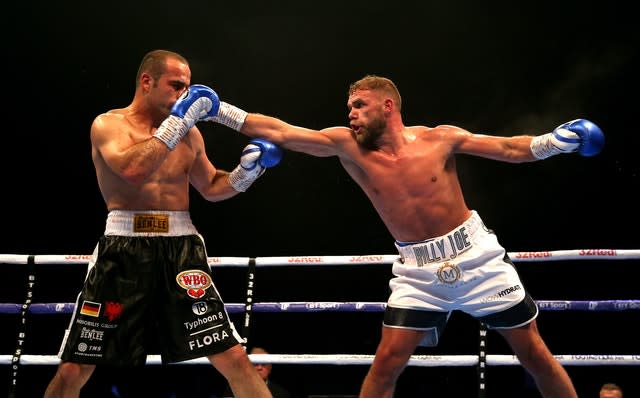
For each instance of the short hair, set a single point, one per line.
(154, 63)
(378, 83)
(611, 387)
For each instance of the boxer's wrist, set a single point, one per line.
(171, 131)
(241, 179)
(230, 116)
(542, 146)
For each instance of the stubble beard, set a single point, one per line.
(370, 134)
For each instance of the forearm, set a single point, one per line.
(261, 126)
(219, 189)
(142, 159)
(251, 124)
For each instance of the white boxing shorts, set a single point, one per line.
(465, 270)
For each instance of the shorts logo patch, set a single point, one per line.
(90, 308)
(449, 273)
(194, 281)
(151, 223)
(112, 310)
(199, 307)
(195, 293)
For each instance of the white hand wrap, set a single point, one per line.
(248, 170)
(554, 143)
(241, 179)
(230, 116)
(171, 131)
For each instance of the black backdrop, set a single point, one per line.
(501, 68)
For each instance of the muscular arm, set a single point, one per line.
(516, 149)
(134, 161)
(210, 182)
(321, 143)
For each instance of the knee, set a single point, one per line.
(69, 371)
(232, 362)
(388, 363)
(72, 374)
(538, 360)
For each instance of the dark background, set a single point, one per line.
(500, 68)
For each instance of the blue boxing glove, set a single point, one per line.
(256, 157)
(271, 154)
(198, 102)
(578, 135)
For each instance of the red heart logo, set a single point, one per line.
(195, 293)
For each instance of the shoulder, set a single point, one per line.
(108, 126)
(339, 135)
(114, 116)
(451, 130)
(440, 132)
(337, 132)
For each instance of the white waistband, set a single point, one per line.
(149, 223)
(441, 248)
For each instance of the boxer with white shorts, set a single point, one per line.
(465, 270)
(449, 260)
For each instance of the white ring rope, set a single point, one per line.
(353, 359)
(357, 359)
(542, 256)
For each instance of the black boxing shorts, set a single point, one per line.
(149, 287)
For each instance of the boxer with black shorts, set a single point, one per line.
(448, 259)
(149, 282)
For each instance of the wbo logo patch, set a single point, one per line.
(195, 282)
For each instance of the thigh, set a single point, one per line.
(108, 324)
(193, 320)
(429, 324)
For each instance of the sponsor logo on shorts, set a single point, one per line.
(87, 350)
(151, 223)
(96, 324)
(91, 334)
(90, 308)
(208, 339)
(199, 308)
(215, 319)
(112, 310)
(195, 282)
(449, 273)
(502, 293)
(447, 248)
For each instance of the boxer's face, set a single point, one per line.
(169, 86)
(366, 117)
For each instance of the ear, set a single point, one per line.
(388, 105)
(145, 81)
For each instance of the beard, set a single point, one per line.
(368, 138)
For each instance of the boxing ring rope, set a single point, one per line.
(480, 360)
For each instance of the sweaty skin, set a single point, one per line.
(136, 171)
(410, 175)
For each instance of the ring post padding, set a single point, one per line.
(248, 305)
(22, 328)
(482, 361)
